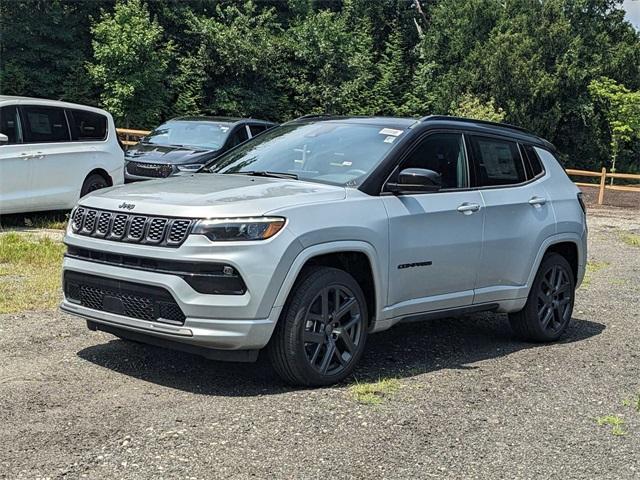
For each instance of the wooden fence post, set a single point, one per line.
(603, 180)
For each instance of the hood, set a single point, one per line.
(212, 195)
(151, 153)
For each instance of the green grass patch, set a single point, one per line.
(592, 268)
(373, 393)
(632, 239)
(30, 270)
(615, 422)
(50, 220)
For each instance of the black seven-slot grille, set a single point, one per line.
(129, 227)
(156, 170)
(129, 299)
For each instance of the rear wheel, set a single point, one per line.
(93, 182)
(322, 332)
(547, 313)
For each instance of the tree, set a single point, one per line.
(471, 106)
(46, 58)
(130, 64)
(622, 110)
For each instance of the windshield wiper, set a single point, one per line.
(267, 173)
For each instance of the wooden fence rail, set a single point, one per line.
(602, 185)
(130, 137)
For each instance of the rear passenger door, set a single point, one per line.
(46, 137)
(518, 216)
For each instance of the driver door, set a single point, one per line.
(435, 238)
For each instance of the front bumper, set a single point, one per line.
(202, 326)
(212, 321)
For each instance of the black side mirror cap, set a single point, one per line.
(416, 180)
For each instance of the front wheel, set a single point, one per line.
(322, 332)
(547, 313)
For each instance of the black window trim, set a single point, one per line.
(20, 106)
(412, 147)
(504, 138)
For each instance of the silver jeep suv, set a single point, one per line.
(319, 232)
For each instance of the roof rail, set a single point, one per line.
(471, 120)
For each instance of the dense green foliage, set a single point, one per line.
(543, 64)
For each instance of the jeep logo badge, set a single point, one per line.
(128, 206)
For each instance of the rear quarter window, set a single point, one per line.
(87, 126)
(534, 164)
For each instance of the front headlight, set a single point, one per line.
(189, 168)
(239, 229)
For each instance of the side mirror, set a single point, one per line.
(3, 139)
(416, 180)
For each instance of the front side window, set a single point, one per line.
(10, 124)
(44, 124)
(87, 126)
(210, 135)
(335, 152)
(444, 154)
(498, 162)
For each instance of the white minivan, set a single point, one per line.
(52, 153)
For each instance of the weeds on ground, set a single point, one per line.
(373, 393)
(632, 239)
(615, 422)
(592, 267)
(48, 220)
(30, 270)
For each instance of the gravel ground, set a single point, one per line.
(474, 403)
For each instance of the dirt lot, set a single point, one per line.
(472, 402)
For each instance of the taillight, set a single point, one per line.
(582, 204)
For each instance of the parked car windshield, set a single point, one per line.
(210, 135)
(334, 152)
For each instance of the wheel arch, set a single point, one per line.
(355, 257)
(571, 246)
(103, 173)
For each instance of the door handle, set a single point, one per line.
(468, 208)
(535, 201)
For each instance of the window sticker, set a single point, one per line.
(39, 123)
(389, 139)
(390, 131)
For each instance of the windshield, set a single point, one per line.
(210, 135)
(333, 152)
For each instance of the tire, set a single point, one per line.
(547, 313)
(310, 345)
(93, 182)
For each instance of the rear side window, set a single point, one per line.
(44, 124)
(238, 137)
(87, 126)
(257, 129)
(497, 162)
(534, 164)
(9, 124)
